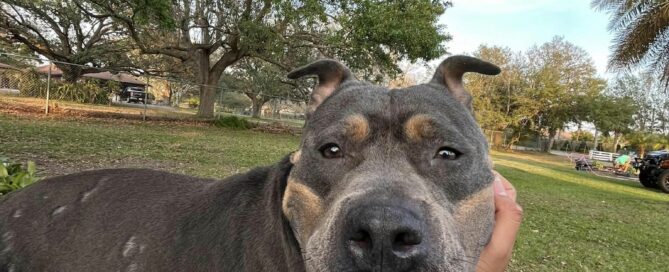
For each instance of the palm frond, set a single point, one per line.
(633, 44)
(658, 58)
(622, 12)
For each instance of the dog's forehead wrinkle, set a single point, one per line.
(361, 99)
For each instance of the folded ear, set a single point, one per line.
(331, 74)
(450, 73)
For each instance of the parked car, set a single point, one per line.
(654, 170)
(135, 95)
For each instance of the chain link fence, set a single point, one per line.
(533, 142)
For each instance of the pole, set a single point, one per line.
(48, 88)
(146, 94)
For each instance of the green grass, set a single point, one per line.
(200, 150)
(573, 221)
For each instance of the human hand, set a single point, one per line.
(508, 215)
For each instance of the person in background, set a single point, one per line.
(622, 163)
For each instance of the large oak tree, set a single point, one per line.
(214, 34)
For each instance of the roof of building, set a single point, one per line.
(7, 66)
(120, 77)
(44, 69)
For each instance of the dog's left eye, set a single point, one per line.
(447, 153)
(331, 151)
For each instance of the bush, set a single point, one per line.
(193, 102)
(598, 165)
(14, 176)
(233, 122)
(87, 91)
(84, 91)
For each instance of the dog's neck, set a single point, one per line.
(277, 222)
(255, 213)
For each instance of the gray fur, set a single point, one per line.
(144, 220)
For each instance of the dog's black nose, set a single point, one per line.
(388, 237)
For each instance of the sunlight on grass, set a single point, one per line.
(575, 221)
(583, 178)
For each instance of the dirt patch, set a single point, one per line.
(277, 128)
(57, 111)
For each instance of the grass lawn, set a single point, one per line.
(573, 221)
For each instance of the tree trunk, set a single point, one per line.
(513, 141)
(257, 106)
(596, 140)
(170, 93)
(71, 73)
(209, 78)
(207, 99)
(551, 139)
(207, 91)
(616, 138)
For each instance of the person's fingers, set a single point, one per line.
(508, 215)
(510, 190)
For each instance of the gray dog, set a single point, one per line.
(384, 180)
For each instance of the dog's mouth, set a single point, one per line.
(386, 238)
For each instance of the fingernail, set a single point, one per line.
(498, 186)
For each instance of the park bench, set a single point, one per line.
(602, 156)
(588, 163)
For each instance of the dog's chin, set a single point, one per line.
(320, 258)
(458, 265)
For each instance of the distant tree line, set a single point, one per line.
(554, 85)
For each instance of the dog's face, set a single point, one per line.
(391, 179)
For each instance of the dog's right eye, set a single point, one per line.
(447, 153)
(331, 151)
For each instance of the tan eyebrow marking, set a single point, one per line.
(357, 127)
(418, 127)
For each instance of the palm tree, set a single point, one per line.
(641, 29)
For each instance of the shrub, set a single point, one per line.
(233, 122)
(598, 165)
(87, 91)
(14, 176)
(84, 91)
(193, 102)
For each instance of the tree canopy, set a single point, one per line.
(261, 82)
(539, 91)
(63, 31)
(212, 35)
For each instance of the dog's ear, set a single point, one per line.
(450, 73)
(330, 73)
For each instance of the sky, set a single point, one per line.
(519, 24)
